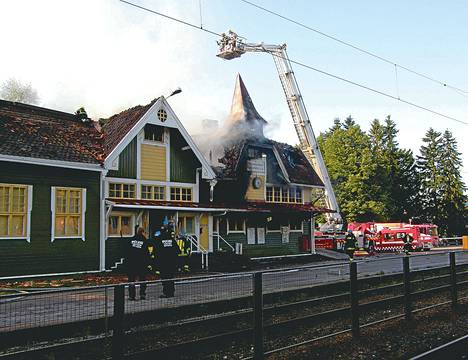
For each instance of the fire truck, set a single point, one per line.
(391, 236)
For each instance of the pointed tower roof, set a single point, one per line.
(242, 108)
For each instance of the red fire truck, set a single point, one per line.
(391, 236)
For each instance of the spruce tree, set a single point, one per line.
(452, 196)
(429, 169)
(348, 157)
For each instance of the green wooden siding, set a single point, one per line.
(184, 163)
(273, 242)
(41, 256)
(127, 162)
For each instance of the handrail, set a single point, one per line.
(204, 253)
(224, 240)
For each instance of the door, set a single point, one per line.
(204, 232)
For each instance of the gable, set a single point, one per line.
(157, 113)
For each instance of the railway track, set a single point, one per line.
(453, 350)
(231, 333)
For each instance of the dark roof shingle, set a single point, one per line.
(117, 126)
(32, 131)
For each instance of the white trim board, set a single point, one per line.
(54, 163)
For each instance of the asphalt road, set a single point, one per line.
(36, 310)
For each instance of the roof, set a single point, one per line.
(243, 129)
(247, 207)
(298, 168)
(242, 106)
(117, 126)
(36, 132)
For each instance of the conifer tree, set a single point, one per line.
(452, 196)
(429, 169)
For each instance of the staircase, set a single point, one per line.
(195, 247)
(223, 242)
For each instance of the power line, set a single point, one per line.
(367, 52)
(171, 18)
(308, 67)
(372, 90)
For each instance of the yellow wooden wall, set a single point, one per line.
(153, 162)
(204, 235)
(256, 194)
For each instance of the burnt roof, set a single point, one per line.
(117, 126)
(33, 131)
(298, 168)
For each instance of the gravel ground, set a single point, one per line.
(393, 340)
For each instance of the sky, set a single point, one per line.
(107, 56)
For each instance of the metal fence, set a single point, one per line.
(249, 310)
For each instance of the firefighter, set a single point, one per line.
(137, 262)
(185, 252)
(167, 252)
(350, 244)
(408, 245)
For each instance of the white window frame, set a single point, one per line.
(268, 231)
(83, 213)
(301, 230)
(236, 231)
(162, 143)
(28, 215)
(119, 213)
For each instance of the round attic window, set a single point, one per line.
(162, 115)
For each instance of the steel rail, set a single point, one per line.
(369, 324)
(444, 349)
(243, 332)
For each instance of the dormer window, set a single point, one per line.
(154, 133)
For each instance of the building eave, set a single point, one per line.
(50, 162)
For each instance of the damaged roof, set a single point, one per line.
(298, 168)
(117, 126)
(244, 129)
(32, 131)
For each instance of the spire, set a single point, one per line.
(243, 112)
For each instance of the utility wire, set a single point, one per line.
(367, 52)
(371, 89)
(171, 18)
(307, 66)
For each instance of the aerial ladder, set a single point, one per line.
(231, 46)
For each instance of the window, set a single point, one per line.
(295, 225)
(122, 191)
(153, 192)
(236, 225)
(181, 194)
(121, 225)
(273, 224)
(186, 225)
(15, 208)
(162, 115)
(154, 133)
(68, 208)
(283, 194)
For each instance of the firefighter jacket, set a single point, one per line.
(137, 254)
(166, 251)
(350, 241)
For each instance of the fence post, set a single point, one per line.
(117, 322)
(353, 288)
(258, 316)
(407, 287)
(453, 279)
